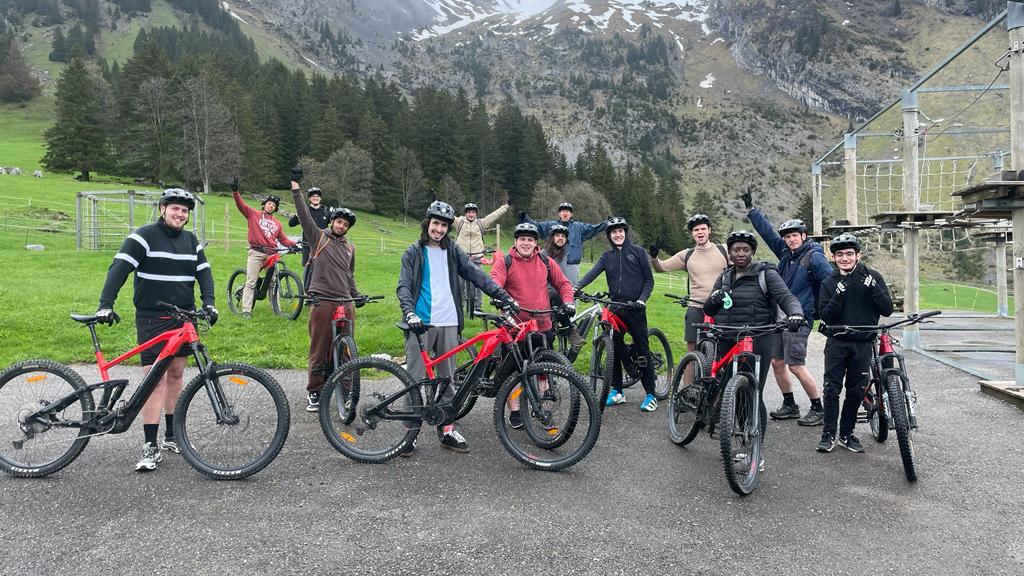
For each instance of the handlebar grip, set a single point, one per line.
(166, 305)
(673, 296)
(929, 314)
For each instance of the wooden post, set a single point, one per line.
(816, 197)
(1015, 25)
(1002, 300)
(497, 238)
(850, 169)
(911, 203)
(227, 228)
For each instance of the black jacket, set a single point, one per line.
(858, 305)
(627, 270)
(751, 306)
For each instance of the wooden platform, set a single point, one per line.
(993, 198)
(908, 219)
(1004, 391)
(837, 227)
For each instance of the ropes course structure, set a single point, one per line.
(104, 218)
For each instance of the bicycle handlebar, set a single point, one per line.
(719, 328)
(600, 298)
(181, 313)
(485, 252)
(315, 298)
(912, 319)
(684, 300)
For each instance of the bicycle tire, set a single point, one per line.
(602, 363)
(687, 398)
(901, 422)
(545, 439)
(345, 350)
(286, 296)
(587, 414)
(53, 381)
(235, 288)
(661, 355)
(877, 420)
(232, 450)
(390, 436)
(737, 436)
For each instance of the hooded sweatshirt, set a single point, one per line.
(527, 282)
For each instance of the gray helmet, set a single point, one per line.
(178, 196)
(565, 206)
(344, 213)
(843, 242)
(742, 236)
(698, 219)
(559, 229)
(314, 190)
(613, 223)
(271, 198)
(469, 207)
(793, 225)
(526, 229)
(441, 211)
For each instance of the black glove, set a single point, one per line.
(211, 313)
(794, 322)
(415, 323)
(297, 174)
(522, 215)
(361, 302)
(748, 199)
(639, 305)
(569, 309)
(510, 305)
(840, 287)
(653, 249)
(715, 299)
(234, 184)
(577, 291)
(869, 281)
(107, 316)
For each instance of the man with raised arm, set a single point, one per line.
(579, 232)
(264, 233)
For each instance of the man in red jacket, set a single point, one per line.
(525, 274)
(265, 231)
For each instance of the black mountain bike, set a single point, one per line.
(283, 287)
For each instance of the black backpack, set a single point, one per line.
(689, 252)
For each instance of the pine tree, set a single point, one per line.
(378, 142)
(77, 140)
(897, 10)
(17, 82)
(59, 47)
(327, 133)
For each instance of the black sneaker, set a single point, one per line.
(515, 419)
(827, 443)
(313, 402)
(813, 417)
(785, 412)
(409, 450)
(454, 441)
(851, 443)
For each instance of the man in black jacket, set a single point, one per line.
(321, 218)
(854, 296)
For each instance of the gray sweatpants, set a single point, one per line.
(436, 341)
(572, 273)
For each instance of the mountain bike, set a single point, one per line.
(561, 419)
(735, 408)
(889, 402)
(704, 344)
(602, 355)
(230, 421)
(283, 287)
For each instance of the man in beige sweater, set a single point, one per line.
(469, 236)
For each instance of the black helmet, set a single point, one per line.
(469, 207)
(314, 190)
(344, 213)
(441, 211)
(742, 236)
(526, 229)
(178, 196)
(793, 225)
(271, 198)
(565, 206)
(613, 223)
(558, 229)
(843, 242)
(697, 219)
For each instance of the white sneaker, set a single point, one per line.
(151, 456)
(169, 445)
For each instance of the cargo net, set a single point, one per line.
(945, 240)
(880, 185)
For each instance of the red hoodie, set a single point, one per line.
(265, 231)
(528, 283)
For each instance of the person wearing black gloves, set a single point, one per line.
(167, 261)
(429, 292)
(321, 215)
(756, 296)
(627, 270)
(854, 296)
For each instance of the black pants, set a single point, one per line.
(851, 360)
(636, 325)
(763, 347)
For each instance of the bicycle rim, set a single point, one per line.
(901, 422)
(740, 440)
(661, 355)
(287, 295)
(44, 449)
(346, 398)
(686, 396)
(236, 284)
(602, 362)
(254, 428)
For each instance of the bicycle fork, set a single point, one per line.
(214, 391)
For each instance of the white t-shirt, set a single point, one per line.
(436, 304)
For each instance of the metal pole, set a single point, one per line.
(1015, 24)
(850, 168)
(816, 197)
(78, 221)
(1002, 307)
(131, 210)
(911, 203)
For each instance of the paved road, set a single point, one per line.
(637, 505)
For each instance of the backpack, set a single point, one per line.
(462, 225)
(689, 252)
(805, 263)
(543, 258)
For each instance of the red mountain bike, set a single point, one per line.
(230, 421)
(283, 287)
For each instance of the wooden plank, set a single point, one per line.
(1004, 390)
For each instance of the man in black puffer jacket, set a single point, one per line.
(627, 268)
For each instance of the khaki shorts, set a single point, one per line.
(792, 346)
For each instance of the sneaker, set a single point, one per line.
(851, 443)
(785, 412)
(515, 419)
(576, 340)
(169, 445)
(814, 417)
(827, 443)
(151, 456)
(246, 315)
(650, 404)
(744, 461)
(313, 402)
(615, 397)
(409, 450)
(454, 441)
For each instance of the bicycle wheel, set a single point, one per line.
(565, 400)
(30, 447)
(386, 420)
(236, 284)
(602, 363)
(661, 355)
(347, 398)
(686, 399)
(286, 295)
(545, 437)
(249, 433)
(740, 434)
(877, 421)
(901, 422)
